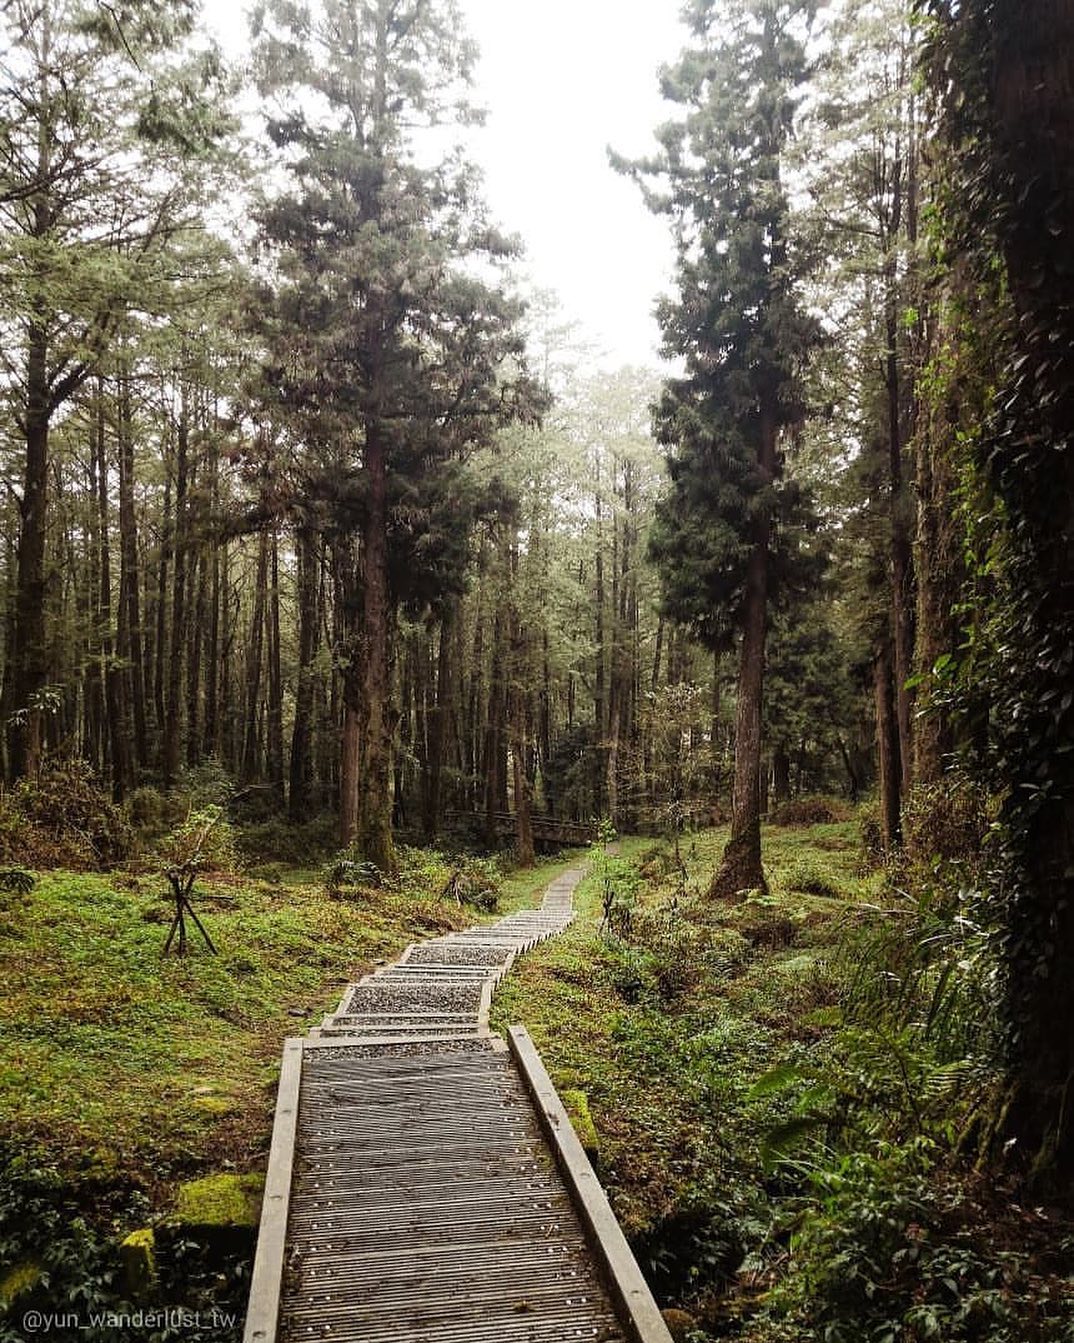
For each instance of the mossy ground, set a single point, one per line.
(118, 1062)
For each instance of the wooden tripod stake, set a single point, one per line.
(181, 887)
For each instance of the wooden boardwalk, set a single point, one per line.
(424, 1183)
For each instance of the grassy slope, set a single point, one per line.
(119, 1063)
(667, 1046)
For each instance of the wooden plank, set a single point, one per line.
(640, 1313)
(262, 1315)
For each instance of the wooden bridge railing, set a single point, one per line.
(546, 829)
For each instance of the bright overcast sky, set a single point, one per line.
(561, 80)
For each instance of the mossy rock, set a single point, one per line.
(576, 1103)
(18, 1280)
(219, 1211)
(138, 1257)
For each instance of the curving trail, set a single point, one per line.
(424, 1183)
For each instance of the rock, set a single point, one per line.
(137, 1255)
(680, 1323)
(576, 1103)
(22, 1277)
(296, 1012)
(217, 1211)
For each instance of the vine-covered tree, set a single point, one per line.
(1004, 75)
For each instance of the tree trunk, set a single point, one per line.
(1032, 112)
(29, 654)
(274, 734)
(309, 625)
(255, 650)
(376, 727)
(439, 723)
(741, 869)
(130, 644)
(177, 644)
(887, 745)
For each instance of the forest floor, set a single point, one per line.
(683, 1038)
(117, 1062)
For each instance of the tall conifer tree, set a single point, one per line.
(722, 539)
(388, 348)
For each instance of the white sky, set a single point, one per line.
(563, 79)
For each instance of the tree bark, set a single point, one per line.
(741, 869)
(309, 625)
(130, 644)
(376, 726)
(887, 745)
(439, 724)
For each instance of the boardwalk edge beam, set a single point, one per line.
(640, 1313)
(262, 1316)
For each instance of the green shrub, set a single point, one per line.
(475, 882)
(293, 845)
(629, 969)
(886, 1252)
(809, 876)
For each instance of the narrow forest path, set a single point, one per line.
(424, 1183)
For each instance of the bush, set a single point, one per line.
(887, 1252)
(810, 811)
(944, 822)
(292, 845)
(475, 882)
(64, 818)
(629, 970)
(808, 876)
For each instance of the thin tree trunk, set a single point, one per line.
(309, 627)
(887, 745)
(118, 738)
(130, 645)
(177, 644)
(255, 656)
(439, 723)
(275, 673)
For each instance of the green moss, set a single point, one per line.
(219, 1201)
(21, 1278)
(214, 1105)
(137, 1255)
(576, 1103)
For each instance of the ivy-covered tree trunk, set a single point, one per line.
(1029, 130)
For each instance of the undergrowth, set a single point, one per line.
(795, 1095)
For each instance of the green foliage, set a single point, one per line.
(884, 1253)
(348, 873)
(474, 882)
(16, 881)
(618, 880)
(736, 321)
(203, 843)
(810, 811)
